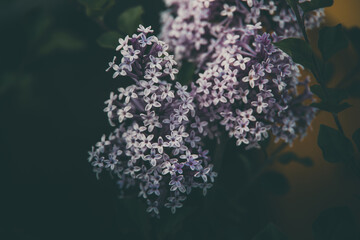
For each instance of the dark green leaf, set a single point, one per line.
(287, 157)
(336, 223)
(62, 41)
(40, 28)
(274, 182)
(109, 39)
(356, 138)
(316, 4)
(331, 102)
(331, 40)
(97, 8)
(129, 20)
(331, 107)
(354, 89)
(300, 20)
(94, 4)
(329, 70)
(186, 73)
(306, 161)
(354, 36)
(335, 147)
(299, 50)
(270, 232)
(335, 95)
(19, 83)
(316, 89)
(290, 156)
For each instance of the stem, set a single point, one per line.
(337, 121)
(319, 73)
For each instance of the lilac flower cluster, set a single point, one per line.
(251, 87)
(157, 145)
(191, 26)
(246, 86)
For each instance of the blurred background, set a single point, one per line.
(52, 88)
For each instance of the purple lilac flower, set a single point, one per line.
(250, 88)
(156, 146)
(191, 27)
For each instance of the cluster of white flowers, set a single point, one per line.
(157, 144)
(191, 26)
(250, 87)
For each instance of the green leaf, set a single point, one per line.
(329, 70)
(354, 36)
(97, 8)
(316, 4)
(93, 4)
(331, 107)
(287, 157)
(270, 232)
(186, 73)
(62, 41)
(316, 89)
(109, 39)
(274, 182)
(356, 138)
(20, 84)
(331, 102)
(354, 89)
(129, 20)
(331, 41)
(335, 147)
(300, 20)
(306, 161)
(335, 95)
(336, 223)
(40, 28)
(299, 51)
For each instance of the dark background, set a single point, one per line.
(52, 90)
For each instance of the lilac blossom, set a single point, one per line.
(252, 89)
(191, 27)
(156, 147)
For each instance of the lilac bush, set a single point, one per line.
(157, 145)
(191, 27)
(250, 87)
